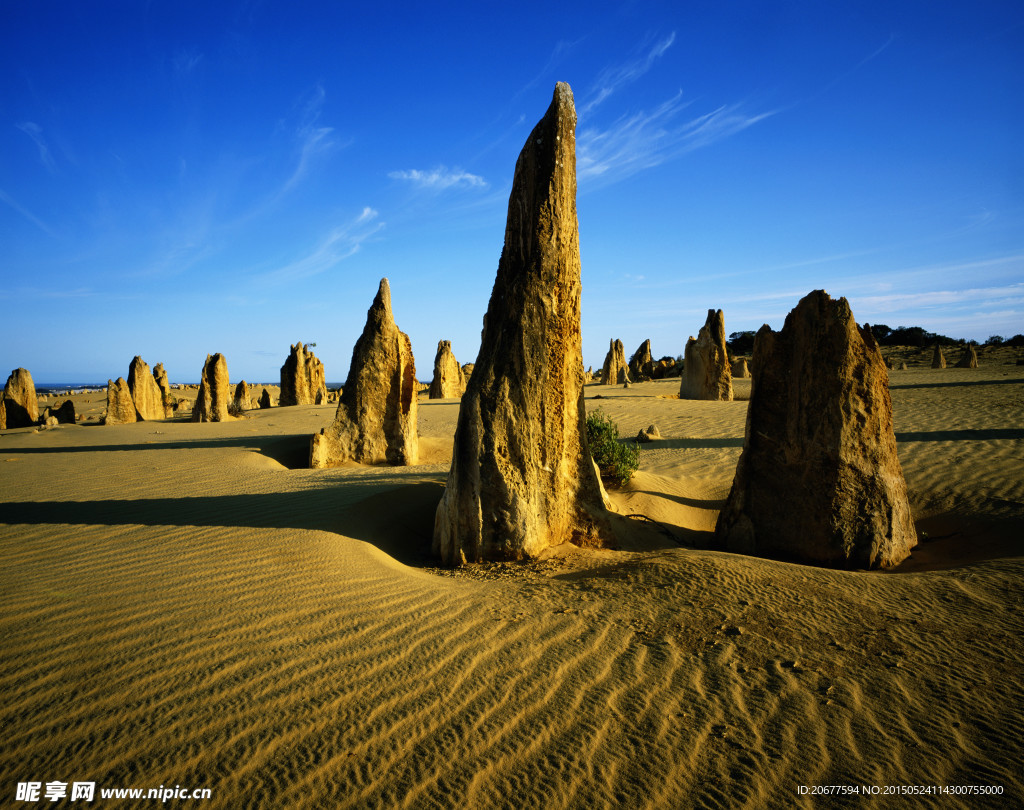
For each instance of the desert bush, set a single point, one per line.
(617, 461)
(741, 342)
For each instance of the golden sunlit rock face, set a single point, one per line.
(302, 378)
(146, 394)
(120, 407)
(521, 477)
(819, 480)
(614, 370)
(707, 373)
(376, 416)
(19, 406)
(449, 380)
(214, 392)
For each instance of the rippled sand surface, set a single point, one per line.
(182, 604)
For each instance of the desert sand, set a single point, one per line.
(185, 604)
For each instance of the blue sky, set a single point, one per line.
(184, 178)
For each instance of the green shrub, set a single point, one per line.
(616, 461)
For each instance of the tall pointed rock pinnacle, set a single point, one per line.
(376, 416)
(522, 478)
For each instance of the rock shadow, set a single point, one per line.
(291, 451)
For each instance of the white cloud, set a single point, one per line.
(646, 139)
(312, 143)
(956, 299)
(46, 293)
(439, 178)
(35, 132)
(616, 76)
(313, 140)
(186, 61)
(7, 198)
(342, 242)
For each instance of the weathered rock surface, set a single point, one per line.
(938, 358)
(522, 477)
(641, 364)
(615, 371)
(243, 397)
(449, 381)
(706, 371)
(663, 369)
(302, 378)
(649, 434)
(969, 359)
(903, 366)
(149, 402)
(740, 369)
(214, 395)
(376, 416)
(19, 406)
(467, 369)
(65, 414)
(265, 401)
(120, 405)
(818, 479)
(168, 401)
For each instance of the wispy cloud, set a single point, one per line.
(646, 139)
(313, 140)
(13, 203)
(615, 77)
(341, 243)
(50, 293)
(439, 178)
(35, 132)
(186, 61)
(848, 73)
(993, 296)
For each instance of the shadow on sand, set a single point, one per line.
(956, 384)
(399, 521)
(960, 435)
(291, 451)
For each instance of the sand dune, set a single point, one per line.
(184, 604)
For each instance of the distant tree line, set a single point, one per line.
(743, 342)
